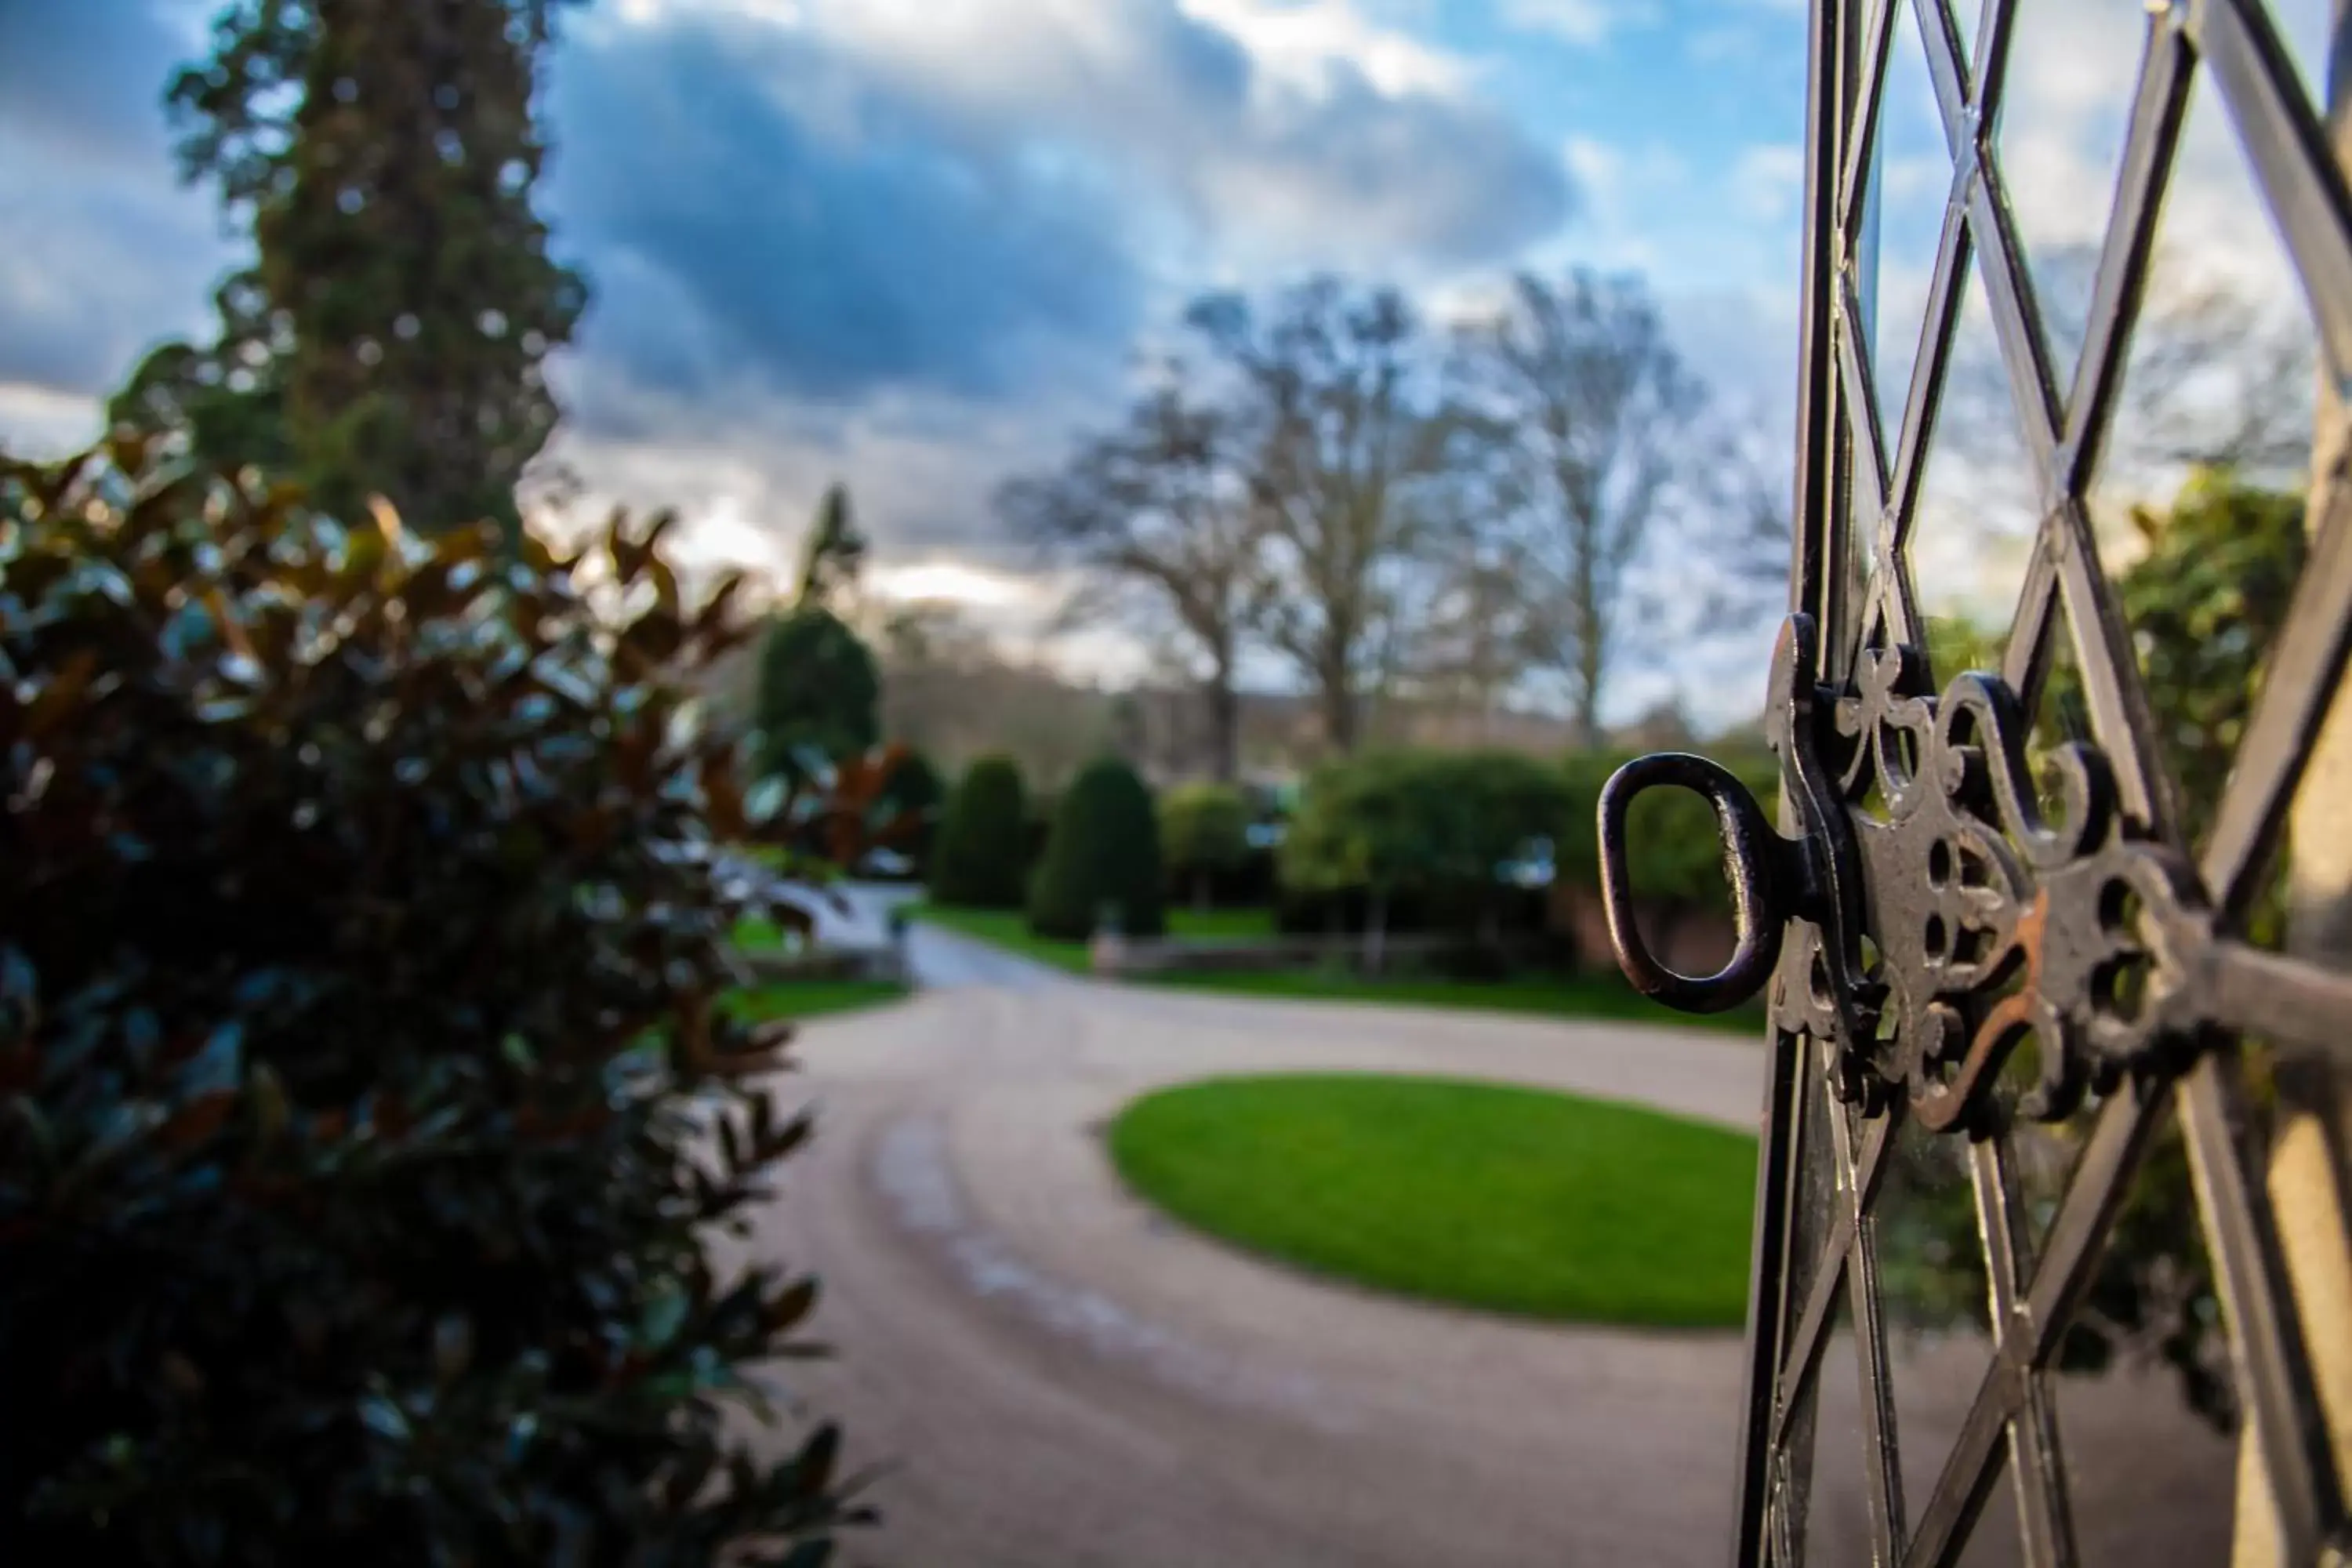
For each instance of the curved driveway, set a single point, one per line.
(1055, 1376)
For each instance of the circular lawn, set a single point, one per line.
(1515, 1200)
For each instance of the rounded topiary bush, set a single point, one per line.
(978, 860)
(1104, 855)
(369, 1119)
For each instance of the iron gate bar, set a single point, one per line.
(2036, 1472)
(2288, 147)
(2305, 663)
(2159, 112)
(1919, 1034)
(1863, 1305)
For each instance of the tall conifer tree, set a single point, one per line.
(393, 328)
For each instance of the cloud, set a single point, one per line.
(1766, 179)
(1301, 42)
(86, 80)
(1291, 134)
(1581, 22)
(105, 253)
(730, 239)
(1622, 188)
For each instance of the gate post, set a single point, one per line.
(2309, 1173)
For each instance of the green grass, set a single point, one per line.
(753, 934)
(1010, 929)
(1551, 995)
(1222, 925)
(810, 998)
(1513, 1200)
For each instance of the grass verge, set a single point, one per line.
(810, 998)
(1512, 1200)
(1220, 925)
(1602, 997)
(1550, 995)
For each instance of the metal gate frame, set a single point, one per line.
(1918, 915)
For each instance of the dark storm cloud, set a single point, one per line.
(82, 80)
(103, 252)
(731, 241)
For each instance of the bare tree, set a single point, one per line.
(1332, 396)
(1158, 515)
(1606, 445)
(1468, 650)
(2220, 375)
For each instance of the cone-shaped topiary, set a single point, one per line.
(978, 861)
(1103, 858)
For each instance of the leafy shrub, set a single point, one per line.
(2206, 602)
(370, 1132)
(1430, 828)
(1204, 835)
(1105, 854)
(1675, 855)
(980, 861)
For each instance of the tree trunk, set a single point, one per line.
(1588, 700)
(1591, 618)
(1339, 717)
(1376, 932)
(1200, 899)
(1224, 727)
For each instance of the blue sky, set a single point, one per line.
(911, 243)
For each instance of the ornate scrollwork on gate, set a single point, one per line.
(1996, 923)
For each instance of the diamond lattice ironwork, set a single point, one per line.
(1932, 921)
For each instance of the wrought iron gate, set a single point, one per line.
(1932, 922)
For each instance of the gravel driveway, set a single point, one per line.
(1055, 1376)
